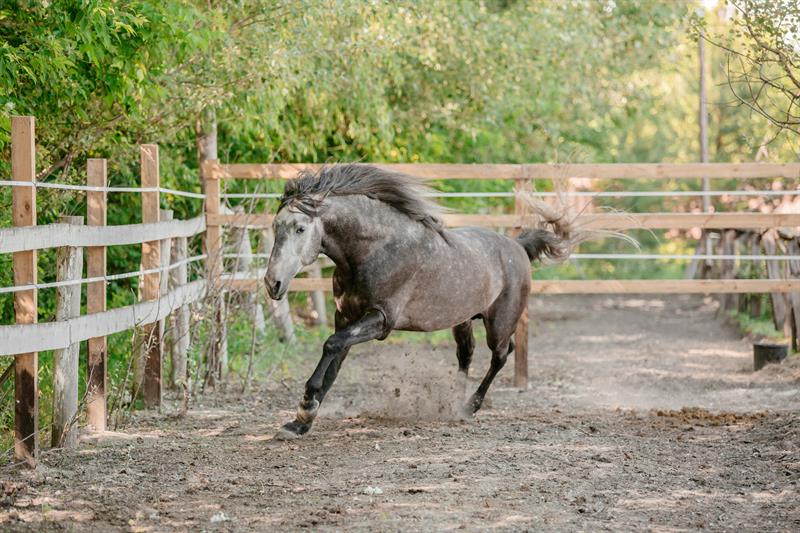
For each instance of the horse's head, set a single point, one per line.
(298, 240)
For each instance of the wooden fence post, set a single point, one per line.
(780, 306)
(151, 258)
(166, 245)
(793, 248)
(217, 352)
(178, 277)
(521, 187)
(755, 298)
(69, 266)
(26, 366)
(96, 211)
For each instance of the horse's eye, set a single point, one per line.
(301, 229)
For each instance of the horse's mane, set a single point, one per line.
(308, 191)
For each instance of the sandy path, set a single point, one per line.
(642, 414)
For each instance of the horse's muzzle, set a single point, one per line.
(276, 289)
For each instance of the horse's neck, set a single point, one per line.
(356, 225)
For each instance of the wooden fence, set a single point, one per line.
(27, 337)
(522, 175)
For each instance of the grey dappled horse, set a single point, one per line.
(398, 268)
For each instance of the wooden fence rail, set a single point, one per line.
(216, 171)
(56, 335)
(610, 286)
(20, 239)
(610, 221)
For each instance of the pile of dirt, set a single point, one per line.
(787, 370)
(697, 416)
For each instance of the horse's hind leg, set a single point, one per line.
(500, 324)
(465, 345)
(499, 356)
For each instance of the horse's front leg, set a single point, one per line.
(371, 326)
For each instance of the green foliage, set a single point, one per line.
(761, 327)
(762, 58)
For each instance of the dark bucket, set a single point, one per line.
(765, 352)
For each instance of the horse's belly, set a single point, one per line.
(433, 308)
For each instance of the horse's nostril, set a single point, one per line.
(276, 287)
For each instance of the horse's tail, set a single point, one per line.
(555, 233)
(555, 237)
(540, 242)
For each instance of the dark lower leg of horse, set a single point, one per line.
(465, 345)
(499, 357)
(371, 326)
(307, 410)
(330, 375)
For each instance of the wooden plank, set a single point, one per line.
(623, 221)
(618, 221)
(521, 209)
(421, 170)
(58, 235)
(664, 170)
(529, 171)
(165, 254)
(178, 277)
(793, 248)
(69, 266)
(776, 270)
(55, 335)
(26, 364)
(213, 237)
(96, 373)
(634, 286)
(217, 355)
(665, 286)
(239, 220)
(151, 258)
(609, 221)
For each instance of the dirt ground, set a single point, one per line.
(643, 414)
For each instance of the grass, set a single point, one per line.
(762, 327)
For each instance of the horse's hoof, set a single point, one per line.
(286, 434)
(472, 406)
(292, 430)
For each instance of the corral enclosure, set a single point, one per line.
(161, 296)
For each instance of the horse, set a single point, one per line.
(398, 268)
